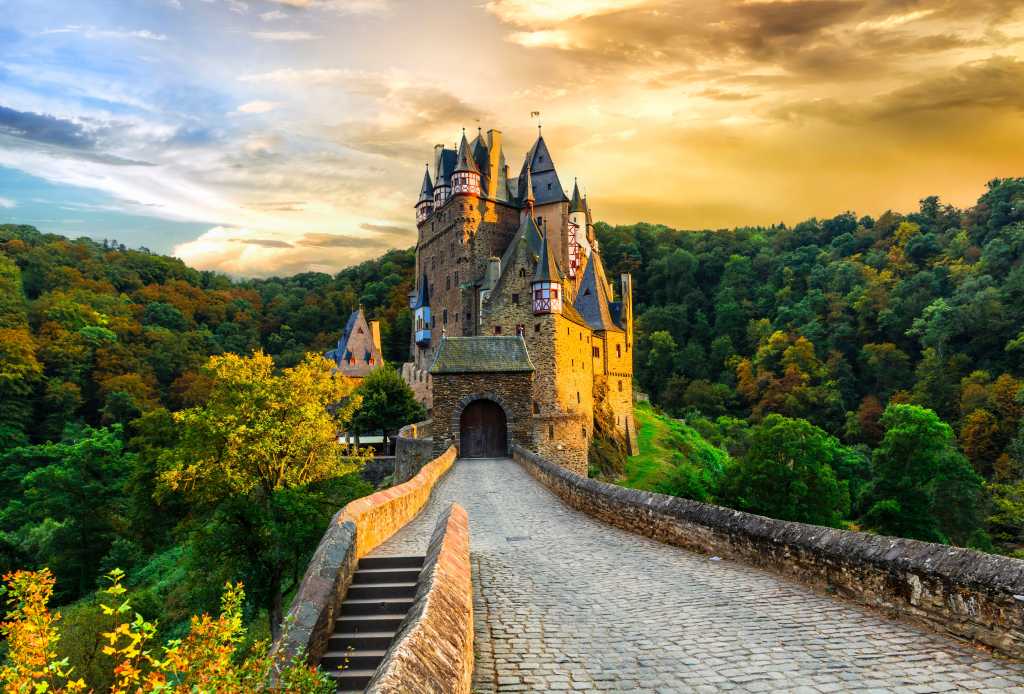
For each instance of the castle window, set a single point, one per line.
(536, 327)
(520, 330)
(444, 316)
(497, 330)
(597, 352)
(584, 429)
(549, 186)
(551, 431)
(618, 350)
(577, 397)
(515, 299)
(469, 316)
(536, 407)
(522, 272)
(620, 386)
(448, 282)
(456, 278)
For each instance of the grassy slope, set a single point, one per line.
(664, 443)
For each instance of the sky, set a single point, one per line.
(269, 137)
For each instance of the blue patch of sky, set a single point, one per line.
(72, 211)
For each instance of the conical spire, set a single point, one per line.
(427, 190)
(466, 161)
(547, 268)
(576, 204)
(529, 198)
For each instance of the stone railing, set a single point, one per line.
(413, 448)
(433, 649)
(973, 596)
(353, 532)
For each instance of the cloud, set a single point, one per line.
(531, 13)
(258, 106)
(387, 229)
(283, 35)
(91, 32)
(338, 6)
(7, 203)
(553, 38)
(265, 243)
(336, 241)
(273, 16)
(45, 128)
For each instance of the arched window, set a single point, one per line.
(522, 272)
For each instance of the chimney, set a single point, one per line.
(494, 147)
(375, 334)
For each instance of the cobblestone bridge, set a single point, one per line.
(564, 602)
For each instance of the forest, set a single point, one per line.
(860, 372)
(855, 372)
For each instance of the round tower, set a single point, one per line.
(547, 282)
(466, 176)
(425, 205)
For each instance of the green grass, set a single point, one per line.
(664, 444)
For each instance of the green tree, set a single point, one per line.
(924, 487)
(787, 473)
(254, 462)
(388, 403)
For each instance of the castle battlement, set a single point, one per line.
(505, 262)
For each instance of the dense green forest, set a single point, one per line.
(894, 345)
(854, 372)
(99, 345)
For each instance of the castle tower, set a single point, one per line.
(421, 307)
(425, 204)
(466, 176)
(578, 245)
(547, 285)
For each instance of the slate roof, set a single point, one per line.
(423, 295)
(446, 165)
(592, 301)
(546, 186)
(356, 343)
(529, 234)
(482, 354)
(547, 268)
(466, 161)
(576, 204)
(427, 190)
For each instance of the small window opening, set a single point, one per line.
(497, 330)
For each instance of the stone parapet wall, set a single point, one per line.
(973, 596)
(353, 532)
(413, 450)
(379, 516)
(314, 608)
(433, 650)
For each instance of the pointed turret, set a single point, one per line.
(547, 188)
(466, 177)
(425, 205)
(547, 282)
(593, 300)
(576, 203)
(422, 316)
(529, 198)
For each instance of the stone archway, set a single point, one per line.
(483, 430)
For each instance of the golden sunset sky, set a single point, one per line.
(275, 137)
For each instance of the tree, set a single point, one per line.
(249, 455)
(924, 487)
(388, 403)
(786, 473)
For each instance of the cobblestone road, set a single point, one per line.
(564, 602)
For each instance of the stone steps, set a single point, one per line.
(381, 593)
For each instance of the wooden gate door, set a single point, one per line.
(483, 431)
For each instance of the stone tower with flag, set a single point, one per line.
(519, 335)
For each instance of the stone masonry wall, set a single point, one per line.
(379, 516)
(973, 596)
(453, 392)
(353, 532)
(433, 650)
(413, 449)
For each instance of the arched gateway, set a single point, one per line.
(483, 430)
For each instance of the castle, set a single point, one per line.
(518, 334)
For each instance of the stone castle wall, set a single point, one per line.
(974, 596)
(453, 392)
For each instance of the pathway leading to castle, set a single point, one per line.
(564, 602)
